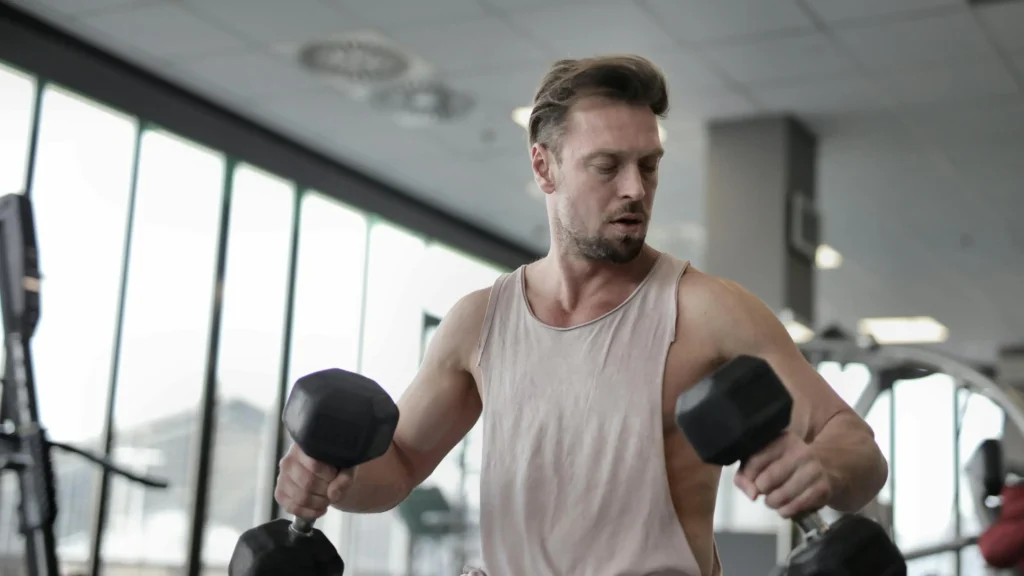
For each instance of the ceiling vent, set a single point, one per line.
(423, 102)
(361, 59)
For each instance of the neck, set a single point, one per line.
(571, 278)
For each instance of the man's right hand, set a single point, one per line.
(307, 488)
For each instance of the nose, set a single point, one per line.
(633, 183)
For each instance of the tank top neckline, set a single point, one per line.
(529, 309)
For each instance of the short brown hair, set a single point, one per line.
(625, 78)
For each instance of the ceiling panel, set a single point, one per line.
(163, 30)
(508, 87)
(710, 20)
(1005, 22)
(788, 58)
(949, 81)
(271, 21)
(386, 14)
(249, 73)
(477, 46)
(708, 102)
(817, 96)
(84, 6)
(901, 44)
(843, 10)
(600, 29)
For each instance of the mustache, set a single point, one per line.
(633, 209)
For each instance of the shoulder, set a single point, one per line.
(726, 313)
(460, 330)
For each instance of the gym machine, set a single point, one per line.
(24, 446)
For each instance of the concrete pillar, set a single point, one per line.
(762, 224)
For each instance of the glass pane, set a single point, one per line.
(924, 468)
(972, 563)
(938, 565)
(392, 341)
(163, 356)
(17, 102)
(249, 364)
(982, 420)
(82, 185)
(328, 301)
(848, 381)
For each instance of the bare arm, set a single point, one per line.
(838, 436)
(437, 410)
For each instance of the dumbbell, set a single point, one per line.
(737, 412)
(338, 418)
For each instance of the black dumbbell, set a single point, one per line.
(338, 418)
(737, 412)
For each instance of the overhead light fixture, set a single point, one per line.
(360, 59)
(827, 258)
(798, 331)
(521, 116)
(911, 330)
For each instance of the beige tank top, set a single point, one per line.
(574, 481)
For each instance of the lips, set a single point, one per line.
(629, 220)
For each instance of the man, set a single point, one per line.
(576, 360)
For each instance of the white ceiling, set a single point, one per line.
(919, 105)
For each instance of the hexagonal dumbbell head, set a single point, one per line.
(275, 550)
(734, 413)
(340, 418)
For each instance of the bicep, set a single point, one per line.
(441, 404)
(751, 328)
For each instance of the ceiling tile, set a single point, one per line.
(841, 10)
(788, 58)
(708, 102)
(955, 80)
(1005, 21)
(600, 29)
(907, 44)
(684, 68)
(163, 30)
(970, 122)
(271, 21)
(508, 87)
(824, 95)
(249, 73)
(487, 132)
(389, 14)
(83, 6)
(480, 45)
(708, 20)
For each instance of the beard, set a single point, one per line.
(613, 247)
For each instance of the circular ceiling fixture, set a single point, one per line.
(423, 102)
(356, 59)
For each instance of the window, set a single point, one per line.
(981, 420)
(17, 101)
(249, 363)
(924, 473)
(879, 418)
(163, 356)
(326, 321)
(849, 381)
(82, 184)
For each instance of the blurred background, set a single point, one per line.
(359, 165)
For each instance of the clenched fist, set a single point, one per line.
(307, 488)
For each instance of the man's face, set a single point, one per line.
(601, 189)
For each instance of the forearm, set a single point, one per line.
(379, 485)
(857, 470)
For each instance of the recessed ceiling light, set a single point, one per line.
(909, 330)
(827, 258)
(358, 59)
(521, 116)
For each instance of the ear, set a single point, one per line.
(543, 163)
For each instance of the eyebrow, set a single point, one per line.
(618, 153)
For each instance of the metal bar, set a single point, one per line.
(99, 520)
(957, 418)
(208, 404)
(286, 348)
(954, 546)
(33, 140)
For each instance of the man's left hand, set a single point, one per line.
(789, 475)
